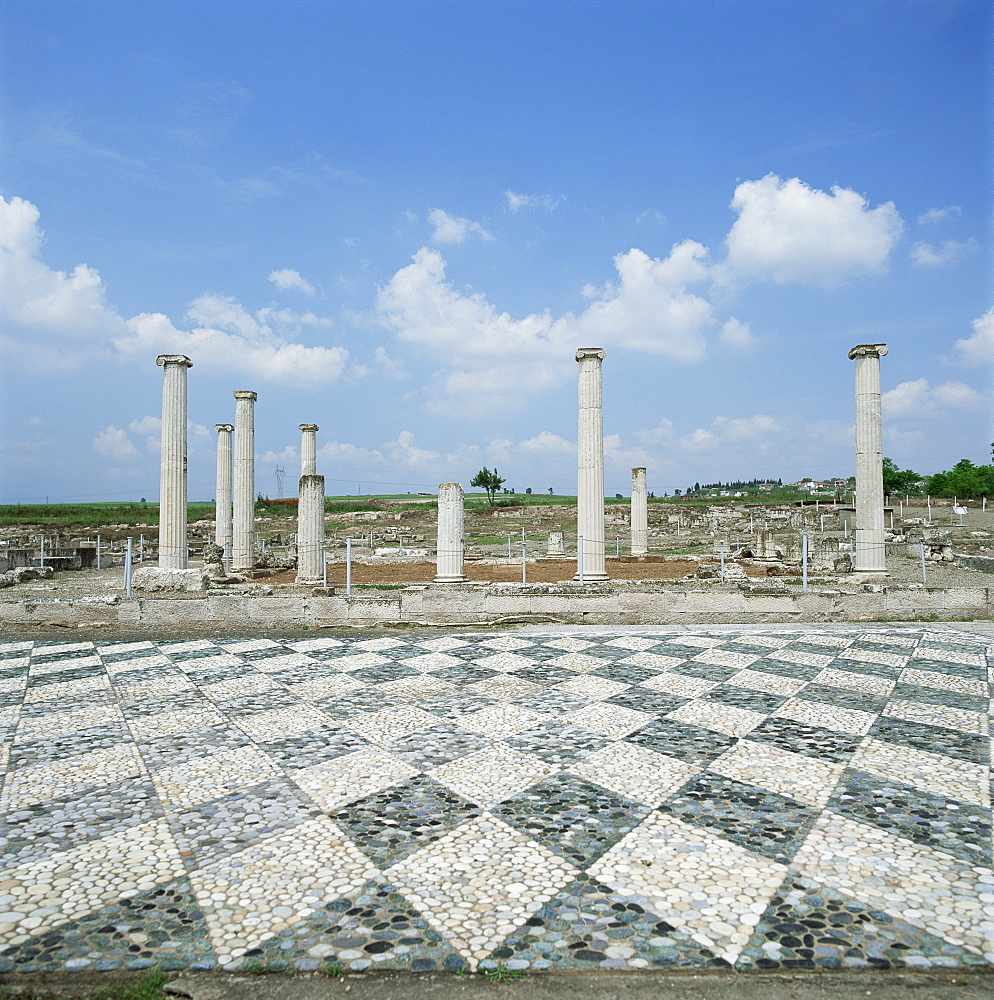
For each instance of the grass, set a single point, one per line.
(91, 515)
(146, 988)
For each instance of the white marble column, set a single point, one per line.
(222, 491)
(449, 548)
(308, 449)
(310, 530)
(640, 514)
(590, 466)
(172, 462)
(243, 527)
(870, 546)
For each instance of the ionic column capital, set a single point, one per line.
(246, 394)
(309, 427)
(590, 353)
(173, 359)
(223, 427)
(868, 351)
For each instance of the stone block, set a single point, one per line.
(155, 579)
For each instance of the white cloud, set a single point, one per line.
(516, 202)
(54, 320)
(547, 443)
(731, 430)
(979, 349)
(452, 229)
(938, 214)
(736, 334)
(925, 255)
(489, 358)
(390, 367)
(917, 398)
(49, 318)
(649, 307)
(288, 278)
(112, 442)
(787, 231)
(229, 338)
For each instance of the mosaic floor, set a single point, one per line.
(750, 798)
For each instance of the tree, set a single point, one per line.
(550, 491)
(528, 490)
(964, 479)
(488, 481)
(898, 481)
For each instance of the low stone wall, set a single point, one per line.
(480, 604)
(983, 563)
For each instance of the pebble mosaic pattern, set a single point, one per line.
(638, 798)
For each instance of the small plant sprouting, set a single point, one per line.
(257, 968)
(502, 973)
(332, 970)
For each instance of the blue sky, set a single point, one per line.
(399, 220)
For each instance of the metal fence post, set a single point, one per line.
(804, 561)
(348, 566)
(127, 568)
(579, 557)
(524, 565)
(924, 570)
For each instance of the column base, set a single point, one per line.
(310, 581)
(451, 579)
(592, 578)
(639, 552)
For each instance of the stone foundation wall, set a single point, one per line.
(462, 604)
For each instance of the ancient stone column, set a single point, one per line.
(222, 493)
(870, 547)
(172, 462)
(590, 466)
(449, 557)
(308, 449)
(640, 514)
(310, 530)
(243, 527)
(554, 545)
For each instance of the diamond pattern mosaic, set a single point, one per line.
(743, 798)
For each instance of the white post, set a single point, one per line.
(640, 513)
(243, 520)
(590, 461)
(400, 545)
(449, 550)
(869, 501)
(721, 549)
(924, 570)
(308, 449)
(222, 494)
(579, 558)
(804, 561)
(348, 566)
(524, 565)
(892, 520)
(310, 528)
(508, 548)
(324, 567)
(127, 569)
(172, 462)
(41, 552)
(822, 522)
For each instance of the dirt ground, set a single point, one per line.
(540, 571)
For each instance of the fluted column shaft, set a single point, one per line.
(222, 492)
(590, 465)
(449, 548)
(243, 527)
(870, 545)
(308, 449)
(640, 514)
(310, 530)
(172, 462)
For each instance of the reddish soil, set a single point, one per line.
(543, 571)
